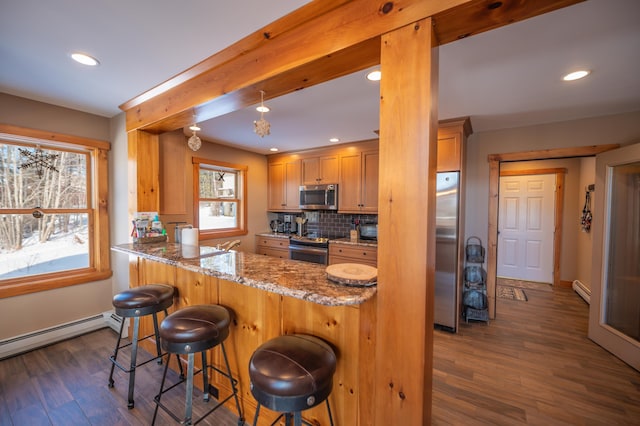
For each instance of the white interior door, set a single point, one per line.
(614, 312)
(526, 220)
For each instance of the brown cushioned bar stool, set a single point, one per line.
(290, 374)
(188, 331)
(136, 303)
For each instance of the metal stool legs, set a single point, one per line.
(296, 417)
(131, 370)
(188, 413)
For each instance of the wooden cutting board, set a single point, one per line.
(354, 274)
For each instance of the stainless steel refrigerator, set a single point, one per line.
(447, 211)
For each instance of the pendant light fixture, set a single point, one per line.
(194, 141)
(262, 127)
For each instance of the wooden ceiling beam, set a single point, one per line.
(316, 43)
(301, 39)
(347, 61)
(476, 17)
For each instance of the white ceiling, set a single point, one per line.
(504, 78)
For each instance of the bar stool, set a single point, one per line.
(290, 374)
(135, 303)
(188, 331)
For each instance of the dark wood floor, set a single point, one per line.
(532, 365)
(66, 384)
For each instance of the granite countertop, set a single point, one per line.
(358, 242)
(341, 240)
(275, 234)
(293, 278)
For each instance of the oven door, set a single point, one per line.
(309, 254)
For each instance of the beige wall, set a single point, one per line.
(118, 204)
(27, 313)
(175, 143)
(621, 129)
(37, 115)
(584, 240)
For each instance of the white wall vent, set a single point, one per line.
(582, 290)
(115, 322)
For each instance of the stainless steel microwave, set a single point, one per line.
(319, 197)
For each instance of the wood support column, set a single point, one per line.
(143, 172)
(406, 225)
(492, 240)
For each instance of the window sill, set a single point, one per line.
(33, 284)
(211, 235)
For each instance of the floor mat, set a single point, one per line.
(506, 292)
(524, 284)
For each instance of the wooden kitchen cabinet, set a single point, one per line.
(452, 136)
(345, 253)
(284, 184)
(320, 170)
(358, 190)
(272, 246)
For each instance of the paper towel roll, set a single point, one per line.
(190, 236)
(189, 252)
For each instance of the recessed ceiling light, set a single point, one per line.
(576, 75)
(262, 108)
(334, 140)
(374, 75)
(274, 149)
(84, 59)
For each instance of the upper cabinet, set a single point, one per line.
(284, 184)
(355, 168)
(320, 170)
(358, 189)
(452, 136)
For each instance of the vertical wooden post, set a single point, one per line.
(143, 171)
(406, 225)
(143, 178)
(557, 234)
(102, 260)
(492, 238)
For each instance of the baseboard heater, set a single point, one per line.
(582, 290)
(47, 336)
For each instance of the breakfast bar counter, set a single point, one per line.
(301, 280)
(270, 297)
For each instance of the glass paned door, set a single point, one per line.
(614, 318)
(622, 280)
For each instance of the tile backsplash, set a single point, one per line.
(324, 223)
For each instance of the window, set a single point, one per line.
(219, 206)
(53, 230)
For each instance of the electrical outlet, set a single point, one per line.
(287, 218)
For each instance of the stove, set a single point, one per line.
(309, 241)
(309, 249)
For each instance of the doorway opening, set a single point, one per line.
(530, 214)
(498, 161)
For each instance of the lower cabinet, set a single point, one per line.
(346, 253)
(261, 315)
(273, 246)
